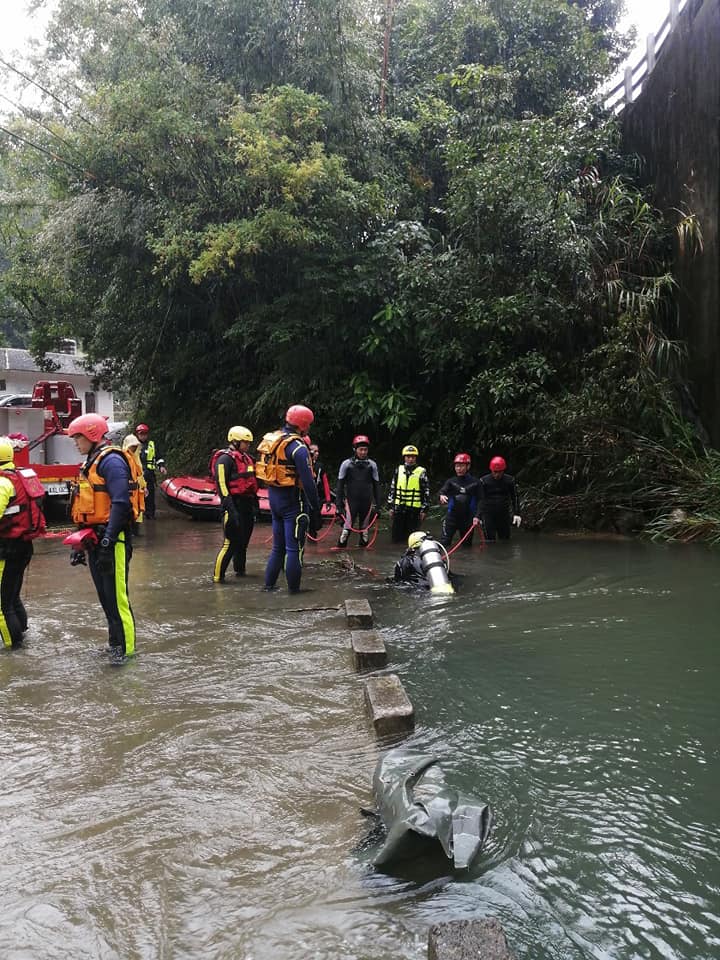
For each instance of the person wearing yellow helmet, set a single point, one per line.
(233, 470)
(21, 521)
(409, 495)
(425, 563)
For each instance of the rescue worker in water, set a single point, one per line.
(234, 472)
(409, 495)
(358, 492)
(106, 499)
(498, 503)
(284, 466)
(21, 521)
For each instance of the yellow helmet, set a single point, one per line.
(239, 433)
(410, 451)
(7, 451)
(415, 539)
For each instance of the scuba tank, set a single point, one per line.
(434, 566)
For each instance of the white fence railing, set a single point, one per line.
(629, 88)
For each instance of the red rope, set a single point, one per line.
(329, 528)
(466, 535)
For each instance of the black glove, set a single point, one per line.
(77, 558)
(105, 557)
(314, 522)
(231, 510)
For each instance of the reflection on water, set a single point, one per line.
(204, 799)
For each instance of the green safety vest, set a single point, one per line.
(407, 488)
(150, 455)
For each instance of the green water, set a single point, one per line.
(203, 801)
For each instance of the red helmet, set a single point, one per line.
(497, 463)
(306, 440)
(361, 441)
(462, 458)
(89, 425)
(299, 416)
(142, 428)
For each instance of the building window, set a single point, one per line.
(89, 403)
(3, 385)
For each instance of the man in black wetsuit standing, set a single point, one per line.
(460, 495)
(357, 498)
(498, 502)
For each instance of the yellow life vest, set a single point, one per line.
(407, 487)
(90, 499)
(274, 467)
(150, 455)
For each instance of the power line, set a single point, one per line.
(48, 153)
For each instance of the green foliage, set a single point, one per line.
(215, 207)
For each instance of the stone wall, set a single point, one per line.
(675, 126)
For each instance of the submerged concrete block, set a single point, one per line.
(389, 706)
(468, 940)
(359, 614)
(368, 650)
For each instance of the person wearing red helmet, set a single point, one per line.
(357, 496)
(151, 463)
(106, 502)
(498, 506)
(460, 495)
(284, 466)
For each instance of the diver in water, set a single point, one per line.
(425, 563)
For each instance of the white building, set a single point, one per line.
(19, 373)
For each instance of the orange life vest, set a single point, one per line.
(243, 482)
(23, 518)
(90, 499)
(274, 466)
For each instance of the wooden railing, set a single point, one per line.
(629, 88)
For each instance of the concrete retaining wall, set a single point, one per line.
(675, 126)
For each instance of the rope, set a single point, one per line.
(372, 524)
(466, 535)
(364, 529)
(314, 539)
(322, 537)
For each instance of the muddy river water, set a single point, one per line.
(203, 801)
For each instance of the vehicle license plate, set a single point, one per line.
(56, 489)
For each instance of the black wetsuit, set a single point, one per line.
(357, 497)
(498, 500)
(408, 569)
(238, 515)
(462, 494)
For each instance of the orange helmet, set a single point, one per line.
(89, 425)
(299, 416)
